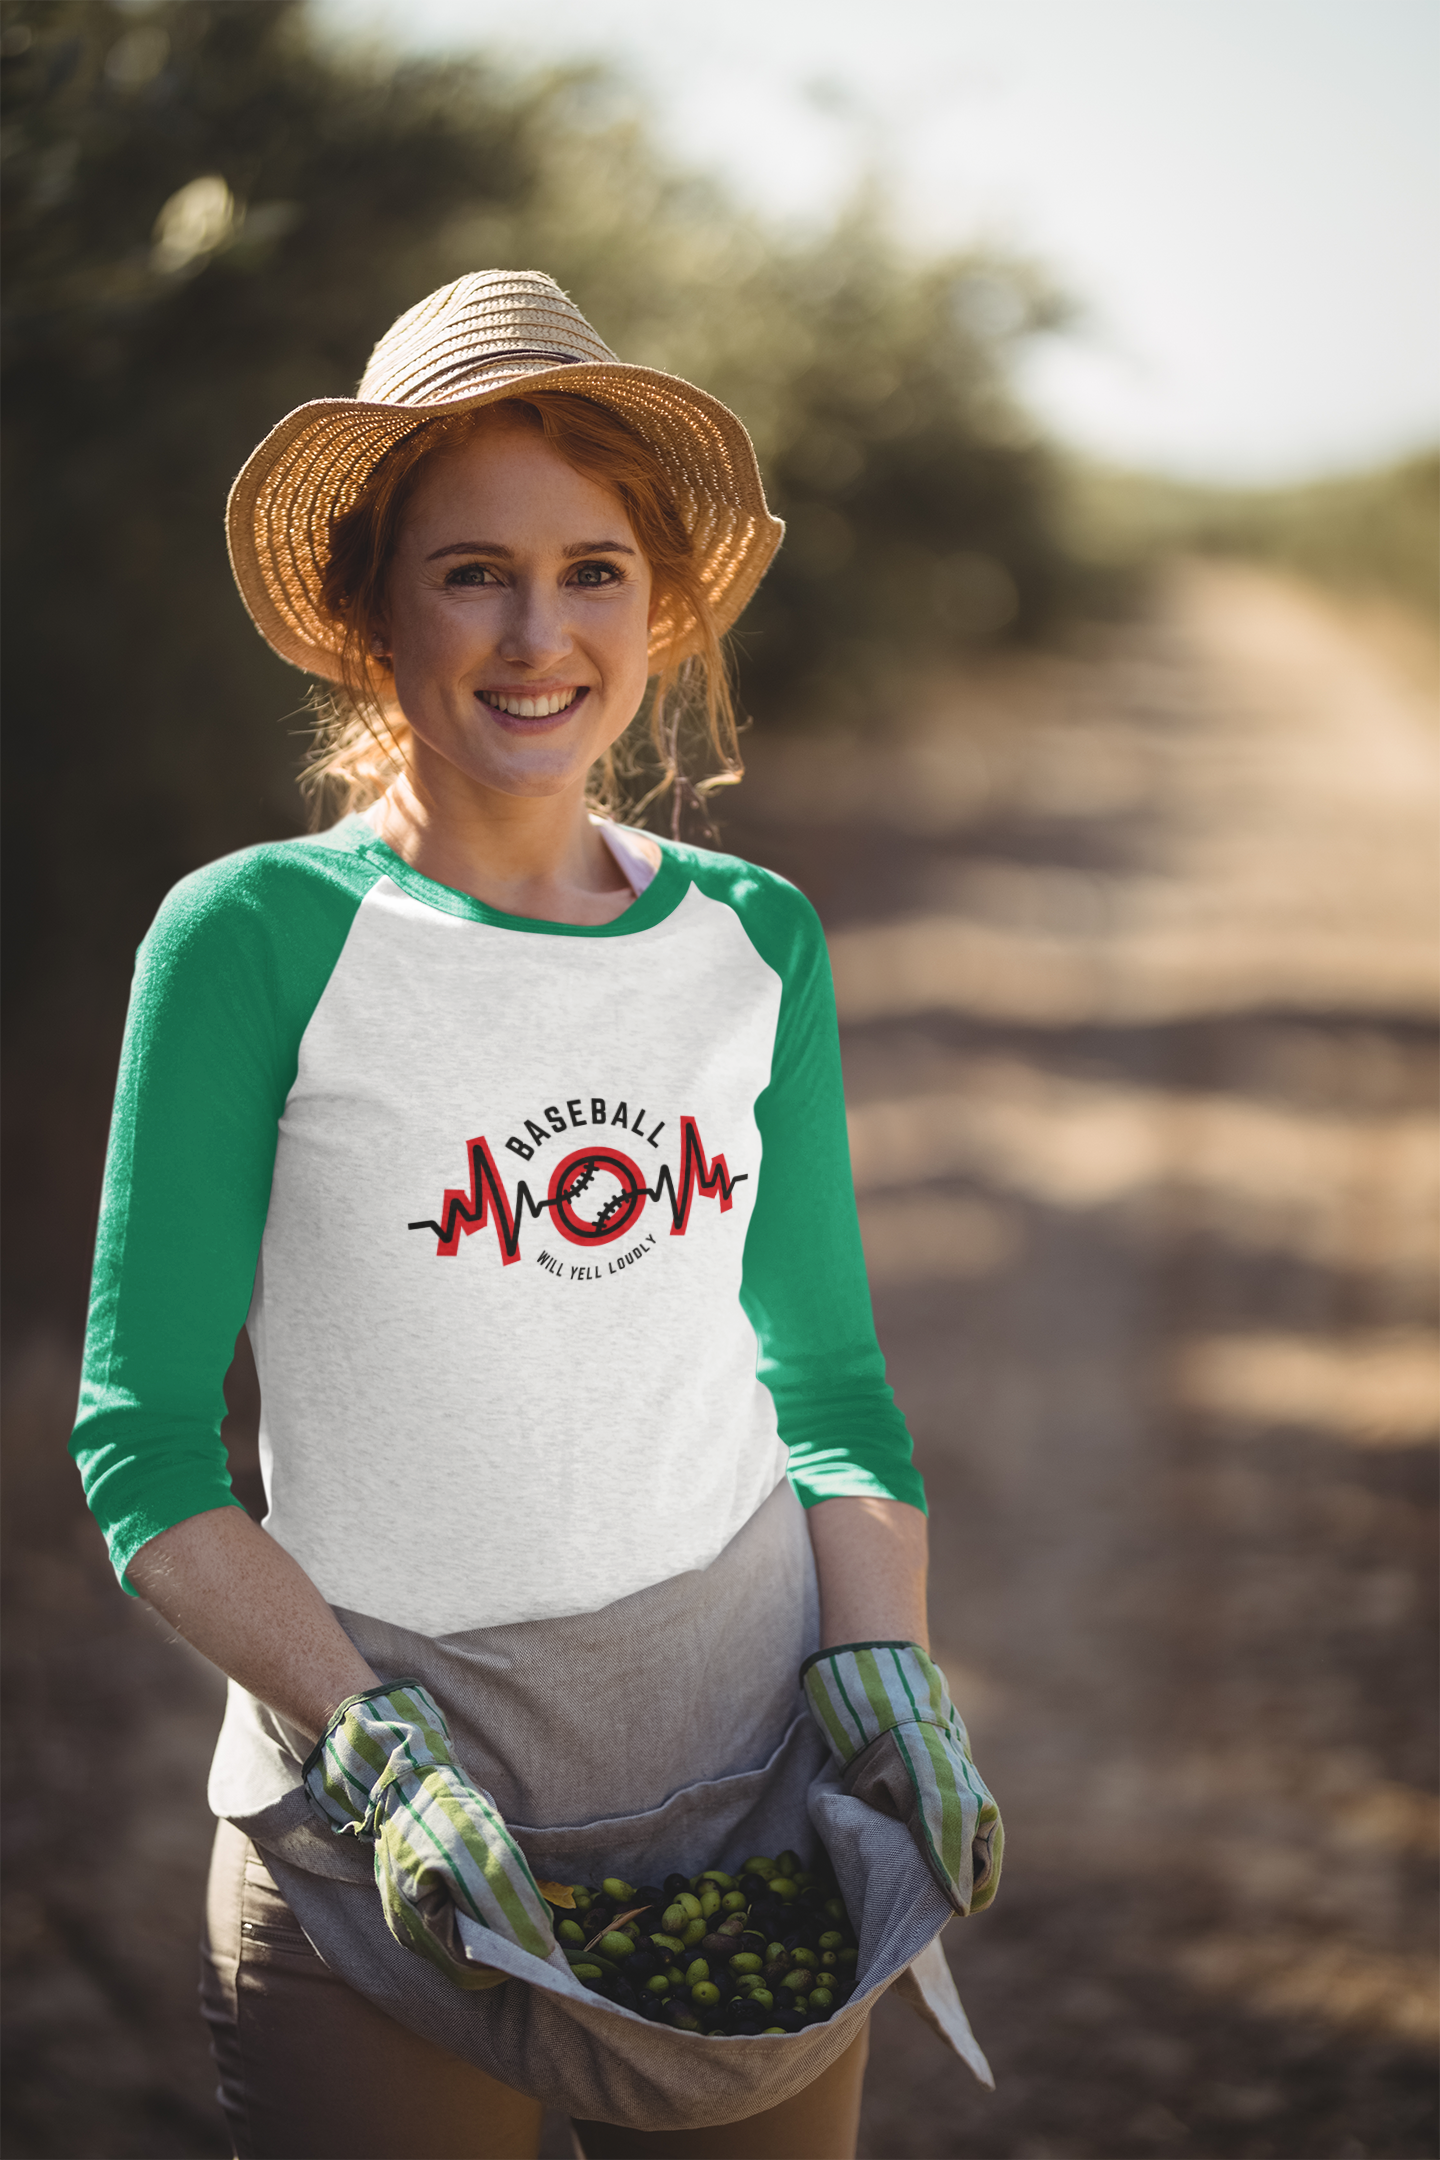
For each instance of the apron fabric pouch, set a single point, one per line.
(574, 1726)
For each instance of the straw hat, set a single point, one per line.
(491, 335)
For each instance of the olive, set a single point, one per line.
(802, 1881)
(705, 1995)
(787, 1862)
(696, 1970)
(761, 1866)
(745, 1961)
(775, 1951)
(582, 1897)
(719, 1946)
(832, 1939)
(694, 1932)
(569, 1931)
(836, 1909)
(756, 1887)
(768, 2029)
(761, 1999)
(846, 1960)
(647, 1895)
(689, 1903)
(776, 1970)
(682, 2017)
(673, 1919)
(671, 1944)
(797, 1983)
(827, 1961)
(616, 1887)
(590, 1975)
(804, 1957)
(747, 1984)
(721, 1880)
(657, 1984)
(641, 1965)
(782, 1887)
(709, 1900)
(821, 1999)
(734, 1901)
(615, 1945)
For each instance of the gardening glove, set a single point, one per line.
(901, 1744)
(384, 1771)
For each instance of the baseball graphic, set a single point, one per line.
(596, 1195)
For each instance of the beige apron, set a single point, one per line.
(578, 1727)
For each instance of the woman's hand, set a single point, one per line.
(240, 1600)
(884, 1708)
(386, 1773)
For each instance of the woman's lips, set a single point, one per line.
(541, 723)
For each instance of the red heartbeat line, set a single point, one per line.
(485, 1201)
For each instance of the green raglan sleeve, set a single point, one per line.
(224, 985)
(804, 1285)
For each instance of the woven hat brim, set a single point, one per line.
(312, 466)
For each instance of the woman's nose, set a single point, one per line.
(535, 633)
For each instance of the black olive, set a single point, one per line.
(674, 1884)
(755, 1887)
(640, 1965)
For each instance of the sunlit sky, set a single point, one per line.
(1244, 194)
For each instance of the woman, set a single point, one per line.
(516, 1139)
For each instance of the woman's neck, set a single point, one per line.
(537, 856)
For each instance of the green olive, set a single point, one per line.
(694, 1932)
(802, 1881)
(582, 1897)
(748, 1982)
(761, 1999)
(721, 1880)
(847, 1959)
(615, 1944)
(673, 1919)
(587, 1973)
(745, 1961)
(674, 1975)
(797, 1982)
(776, 1954)
(698, 1970)
(734, 1901)
(821, 1999)
(782, 1887)
(760, 1866)
(828, 1960)
(832, 1939)
(710, 1899)
(615, 1886)
(804, 1957)
(787, 1862)
(570, 1931)
(657, 1984)
(688, 1903)
(773, 2029)
(671, 1944)
(835, 1907)
(705, 1995)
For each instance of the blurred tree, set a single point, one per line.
(210, 215)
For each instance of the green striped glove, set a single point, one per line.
(384, 1770)
(898, 1738)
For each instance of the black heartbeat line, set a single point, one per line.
(485, 1200)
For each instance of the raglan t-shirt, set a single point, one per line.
(544, 1235)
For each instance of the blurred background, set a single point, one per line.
(1091, 353)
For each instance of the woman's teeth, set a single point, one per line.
(524, 708)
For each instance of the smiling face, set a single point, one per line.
(518, 617)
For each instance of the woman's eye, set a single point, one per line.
(471, 573)
(597, 573)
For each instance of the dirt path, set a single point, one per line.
(1135, 964)
(1137, 983)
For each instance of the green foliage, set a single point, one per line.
(1371, 532)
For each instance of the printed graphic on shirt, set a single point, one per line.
(596, 1194)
